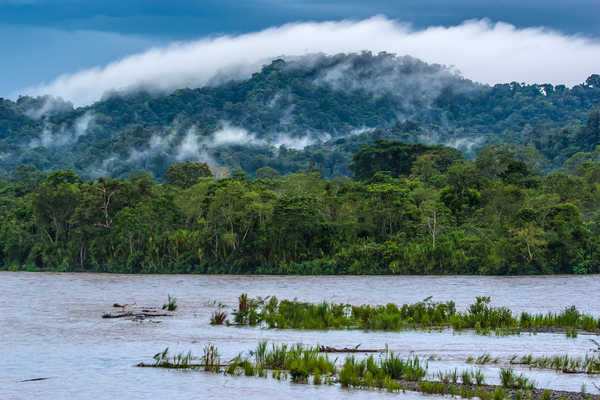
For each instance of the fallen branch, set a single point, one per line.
(175, 366)
(131, 314)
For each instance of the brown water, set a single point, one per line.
(50, 327)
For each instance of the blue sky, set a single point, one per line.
(42, 39)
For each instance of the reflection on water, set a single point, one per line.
(50, 326)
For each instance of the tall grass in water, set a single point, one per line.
(590, 364)
(180, 360)
(570, 317)
(388, 372)
(510, 380)
(377, 372)
(218, 317)
(211, 359)
(480, 316)
(171, 304)
(247, 311)
(300, 362)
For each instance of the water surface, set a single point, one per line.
(51, 327)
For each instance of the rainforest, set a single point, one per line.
(412, 209)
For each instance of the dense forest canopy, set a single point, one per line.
(298, 113)
(428, 211)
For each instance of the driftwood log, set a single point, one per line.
(328, 349)
(132, 314)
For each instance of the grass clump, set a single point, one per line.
(171, 304)
(590, 364)
(181, 360)
(211, 359)
(510, 380)
(570, 317)
(379, 372)
(218, 317)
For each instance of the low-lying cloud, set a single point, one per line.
(482, 51)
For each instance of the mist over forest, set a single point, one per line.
(298, 113)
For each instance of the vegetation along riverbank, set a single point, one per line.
(385, 372)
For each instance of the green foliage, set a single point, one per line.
(181, 360)
(451, 217)
(372, 372)
(187, 174)
(399, 158)
(386, 371)
(510, 380)
(590, 364)
(480, 316)
(218, 317)
(211, 359)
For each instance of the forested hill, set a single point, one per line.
(310, 112)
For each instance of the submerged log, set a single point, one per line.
(175, 366)
(136, 313)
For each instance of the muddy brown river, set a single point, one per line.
(51, 327)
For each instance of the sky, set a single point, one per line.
(45, 39)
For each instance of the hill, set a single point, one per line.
(311, 112)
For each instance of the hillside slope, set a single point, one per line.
(307, 112)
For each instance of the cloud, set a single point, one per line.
(46, 106)
(232, 135)
(482, 51)
(190, 148)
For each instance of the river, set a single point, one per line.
(51, 327)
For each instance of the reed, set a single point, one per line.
(211, 358)
(589, 364)
(571, 333)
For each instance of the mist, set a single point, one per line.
(480, 50)
(62, 135)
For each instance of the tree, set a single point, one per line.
(434, 215)
(267, 172)
(187, 174)
(593, 81)
(398, 158)
(532, 237)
